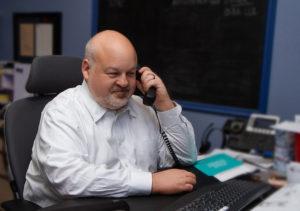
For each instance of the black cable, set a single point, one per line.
(224, 140)
(205, 144)
(205, 138)
(206, 130)
(166, 140)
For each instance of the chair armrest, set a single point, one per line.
(19, 205)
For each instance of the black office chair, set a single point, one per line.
(49, 76)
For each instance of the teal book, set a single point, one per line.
(217, 163)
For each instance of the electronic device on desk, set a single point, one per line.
(254, 134)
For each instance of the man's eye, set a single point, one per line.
(113, 74)
(131, 74)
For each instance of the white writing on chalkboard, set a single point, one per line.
(239, 3)
(116, 3)
(195, 2)
(239, 8)
(232, 8)
(236, 11)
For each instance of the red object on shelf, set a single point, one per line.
(297, 147)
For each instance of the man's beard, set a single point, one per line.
(114, 102)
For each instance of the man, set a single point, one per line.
(97, 139)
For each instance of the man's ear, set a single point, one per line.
(85, 68)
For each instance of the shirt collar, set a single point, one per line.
(130, 108)
(97, 111)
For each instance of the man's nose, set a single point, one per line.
(122, 81)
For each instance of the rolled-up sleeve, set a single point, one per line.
(181, 136)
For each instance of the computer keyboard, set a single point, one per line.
(234, 195)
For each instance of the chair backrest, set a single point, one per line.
(49, 75)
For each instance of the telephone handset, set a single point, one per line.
(150, 95)
(234, 126)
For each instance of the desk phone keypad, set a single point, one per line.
(261, 141)
(252, 140)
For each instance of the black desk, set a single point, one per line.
(136, 203)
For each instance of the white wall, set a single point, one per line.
(284, 95)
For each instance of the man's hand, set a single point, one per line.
(172, 181)
(150, 79)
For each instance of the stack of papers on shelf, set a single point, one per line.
(223, 165)
(288, 126)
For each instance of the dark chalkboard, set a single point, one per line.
(212, 53)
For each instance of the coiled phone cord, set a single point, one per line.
(166, 140)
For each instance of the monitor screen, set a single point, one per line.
(263, 123)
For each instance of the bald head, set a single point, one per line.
(109, 69)
(109, 45)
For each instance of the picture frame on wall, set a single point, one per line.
(36, 34)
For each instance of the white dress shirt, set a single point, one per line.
(82, 149)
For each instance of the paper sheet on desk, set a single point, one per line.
(285, 199)
(231, 173)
